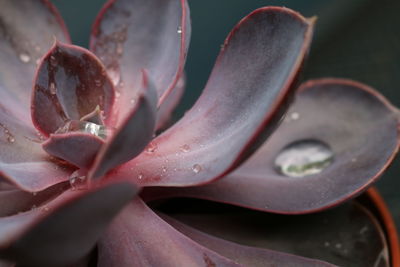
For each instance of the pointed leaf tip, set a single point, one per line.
(133, 133)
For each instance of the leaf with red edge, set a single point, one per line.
(22, 47)
(14, 201)
(348, 235)
(22, 160)
(133, 134)
(126, 45)
(164, 114)
(245, 255)
(79, 149)
(70, 84)
(357, 123)
(64, 230)
(138, 237)
(244, 98)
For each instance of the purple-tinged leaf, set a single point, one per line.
(164, 114)
(358, 125)
(70, 84)
(14, 200)
(127, 45)
(348, 235)
(64, 230)
(22, 45)
(251, 82)
(133, 134)
(138, 237)
(77, 148)
(22, 159)
(244, 255)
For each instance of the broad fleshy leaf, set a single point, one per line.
(22, 46)
(14, 201)
(355, 122)
(164, 114)
(348, 235)
(127, 45)
(70, 84)
(133, 134)
(138, 237)
(79, 149)
(244, 255)
(64, 230)
(244, 98)
(22, 160)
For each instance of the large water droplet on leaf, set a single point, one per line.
(303, 158)
(85, 127)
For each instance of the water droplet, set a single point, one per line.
(164, 169)
(303, 158)
(78, 181)
(132, 101)
(10, 139)
(196, 168)
(179, 30)
(24, 58)
(120, 49)
(85, 127)
(140, 176)
(53, 88)
(45, 208)
(53, 61)
(151, 148)
(294, 116)
(117, 94)
(114, 75)
(185, 148)
(97, 83)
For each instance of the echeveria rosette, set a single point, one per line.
(96, 112)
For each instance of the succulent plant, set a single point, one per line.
(87, 158)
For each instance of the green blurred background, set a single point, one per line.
(358, 39)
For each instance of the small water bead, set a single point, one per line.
(302, 158)
(120, 49)
(45, 208)
(294, 116)
(140, 176)
(53, 88)
(185, 148)
(179, 30)
(196, 168)
(10, 139)
(97, 83)
(24, 58)
(164, 169)
(151, 148)
(78, 182)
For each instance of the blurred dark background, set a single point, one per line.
(357, 39)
